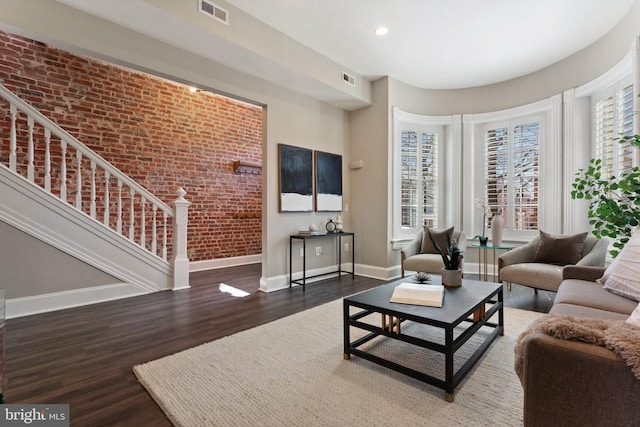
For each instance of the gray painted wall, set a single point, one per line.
(30, 267)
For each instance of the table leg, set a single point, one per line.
(339, 255)
(304, 264)
(346, 331)
(486, 269)
(290, 261)
(448, 345)
(495, 276)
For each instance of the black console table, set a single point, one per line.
(304, 238)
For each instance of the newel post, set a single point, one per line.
(180, 258)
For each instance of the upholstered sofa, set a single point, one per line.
(421, 256)
(521, 266)
(572, 383)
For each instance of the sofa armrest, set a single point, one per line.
(581, 272)
(413, 247)
(574, 383)
(519, 255)
(596, 257)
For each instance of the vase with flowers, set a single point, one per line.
(482, 204)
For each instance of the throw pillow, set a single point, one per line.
(622, 277)
(559, 250)
(440, 237)
(634, 319)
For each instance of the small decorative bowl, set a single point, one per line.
(422, 277)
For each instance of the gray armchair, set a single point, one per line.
(518, 266)
(413, 260)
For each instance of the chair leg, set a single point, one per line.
(535, 290)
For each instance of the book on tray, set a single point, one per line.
(412, 293)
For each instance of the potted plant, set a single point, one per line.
(451, 257)
(481, 204)
(614, 202)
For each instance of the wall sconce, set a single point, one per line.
(356, 164)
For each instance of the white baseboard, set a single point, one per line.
(26, 306)
(277, 283)
(211, 264)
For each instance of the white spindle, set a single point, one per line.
(154, 239)
(47, 160)
(119, 214)
(79, 180)
(30, 155)
(132, 218)
(12, 139)
(107, 175)
(164, 238)
(63, 171)
(93, 190)
(142, 223)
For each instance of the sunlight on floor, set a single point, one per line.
(239, 293)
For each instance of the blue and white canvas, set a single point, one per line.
(296, 179)
(328, 182)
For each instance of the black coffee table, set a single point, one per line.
(471, 305)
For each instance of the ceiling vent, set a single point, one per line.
(348, 79)
(213, 11)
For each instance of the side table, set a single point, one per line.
(304, 237)
(483, 260)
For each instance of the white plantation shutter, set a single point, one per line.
(512, 173)
(525, 176)
(625, 117)
(497, 169)
(613, 117)
(409, 172)
(419, 178)
(429, 179)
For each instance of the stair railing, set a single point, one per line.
(54, 160)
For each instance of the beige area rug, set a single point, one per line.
(291, 373)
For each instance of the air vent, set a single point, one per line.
(213, 11)
(348, 79)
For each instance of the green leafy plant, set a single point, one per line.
(453, 255)
(614, 202)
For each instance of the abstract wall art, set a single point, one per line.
(296, 178)
(328, 182)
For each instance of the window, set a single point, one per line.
(595, 115)
(421, 147)
(513, 161)
(419, 179)
(511, 174)
(613, 117)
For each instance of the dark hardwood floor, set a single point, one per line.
(84, 356)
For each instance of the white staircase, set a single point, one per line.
(56, 189)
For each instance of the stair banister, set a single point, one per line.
(178, 214)
(69, 139)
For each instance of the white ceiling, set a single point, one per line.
(442, 44)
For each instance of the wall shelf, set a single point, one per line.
(247, 215)
(247, 167)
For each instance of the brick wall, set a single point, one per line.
(155, 131)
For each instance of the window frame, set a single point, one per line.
(548, 113)
(448, 128)
(510, 126)
(580, 129)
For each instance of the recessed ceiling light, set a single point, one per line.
(193, 89)
(381, 31)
